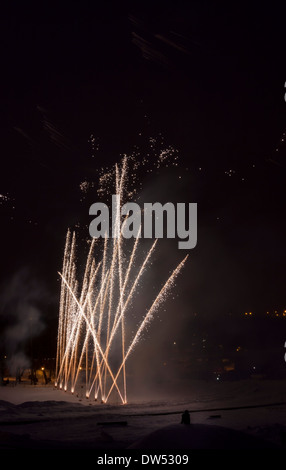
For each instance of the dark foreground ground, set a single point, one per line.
(249, 415)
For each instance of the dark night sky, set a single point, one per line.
(209, 78)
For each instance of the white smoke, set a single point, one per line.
(21, 314)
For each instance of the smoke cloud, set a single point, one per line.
(22, 316)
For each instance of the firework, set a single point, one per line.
(93, 346)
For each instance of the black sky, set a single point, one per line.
(209, 78)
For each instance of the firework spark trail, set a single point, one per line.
(71, 320)
(132, 290)
(70, 312)
(89, 277)
(85, 344)
(102, 300)
(94, 313)
(119, 190)
(77, 324)
(122, 309)
(110, 304)
(120, 180)
(120, 184)
(61, 310)
(92, 278)
(122, 319)
(112, 270)
(150, 313)
(118, 310)
(64, 299)
(116, 324)
(116, 255)
(94, 337)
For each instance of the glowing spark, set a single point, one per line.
(93, 314)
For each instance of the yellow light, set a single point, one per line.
(42, 368)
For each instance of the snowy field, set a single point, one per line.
(236, 415)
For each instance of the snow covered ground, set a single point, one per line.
(223, 415)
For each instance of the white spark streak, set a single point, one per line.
(93, 314)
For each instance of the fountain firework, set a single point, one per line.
(93, 345)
